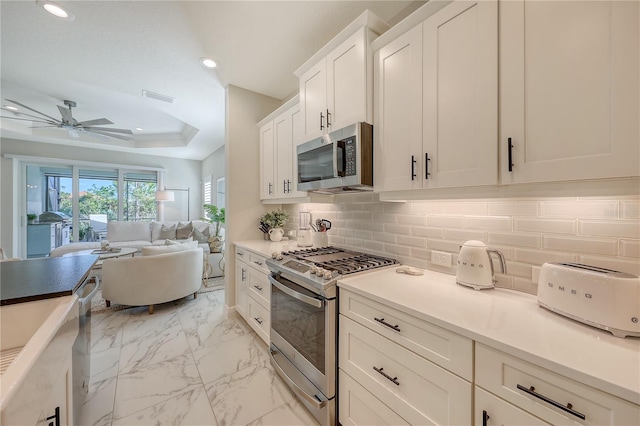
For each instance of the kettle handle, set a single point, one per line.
(503, 264)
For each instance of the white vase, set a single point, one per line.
(276, 234)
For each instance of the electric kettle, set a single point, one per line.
(475, 268)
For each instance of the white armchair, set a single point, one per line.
(149, 280)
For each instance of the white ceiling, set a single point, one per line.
(113, 50)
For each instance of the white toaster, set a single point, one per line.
(599, 297)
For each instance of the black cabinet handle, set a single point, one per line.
(386, 376)
(55, 419)
(485, 417)
(426, 165)
(258, 320)
(288, 185)
(328, 116)
(413, 165)
(321, 121)
(383, 322)
(270, 186)
(510, 146)
(258, 287)
(243, 274)
(568, 408)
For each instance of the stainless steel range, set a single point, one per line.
(304, 320)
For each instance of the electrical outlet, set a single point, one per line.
(441, 258)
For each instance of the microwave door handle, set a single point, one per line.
(341, 161)
(301, 297)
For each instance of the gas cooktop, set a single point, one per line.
(340, 260)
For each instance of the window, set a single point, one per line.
(206, 190)
(140, 196)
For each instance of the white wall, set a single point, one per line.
(178, 174)
(244, 109)
(597, 230)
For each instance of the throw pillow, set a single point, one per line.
(184, 230)
(201, 236)
(173, 248)
(168, 232)
(174, 242)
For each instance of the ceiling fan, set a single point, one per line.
(67, 122)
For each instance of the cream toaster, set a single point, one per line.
(599, 297)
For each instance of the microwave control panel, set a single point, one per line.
(350, 156)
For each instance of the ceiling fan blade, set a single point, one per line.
(35, 120)
(108, 129)
(100, 132)
(29, 115)
(96, 122)
(66, 115)
(31, 109)
(40, 127)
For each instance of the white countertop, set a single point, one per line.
(513, 322)
(266, 247)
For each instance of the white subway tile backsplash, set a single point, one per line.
(615, 263)
(514, 208)
(500, 223)
(630, 248)
(596, 209)
(445, 221)
(556, 226)
(412, 241)
(515, 239)
(603, 231)
(580, 245)
(463, 235)
(610, 228)
(397, 229)
(629, 209)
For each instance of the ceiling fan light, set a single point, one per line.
(208, 62)
(10, 108)
(56, 10)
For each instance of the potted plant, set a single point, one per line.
(31, 218)
(274, 222)
(215, 216)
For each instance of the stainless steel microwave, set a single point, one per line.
(338, 161)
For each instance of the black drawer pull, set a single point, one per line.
(485, 418)
(510, 152)
(258, 287)
(258, 320)
(257, 263)
(413, 168)
(383, 322)
(427, 173)
(386, 376)
(568, 408)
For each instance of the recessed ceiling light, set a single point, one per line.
(9, 107)
(139, 129)
(55, 9)
(209, 63)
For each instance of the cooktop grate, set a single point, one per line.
(339, 260)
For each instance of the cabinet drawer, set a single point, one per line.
(260, 288)
(258, 318)
(499, 412)
(501, 374)
(359, 407)
(258, 261)
(447, 349)
(418, 390)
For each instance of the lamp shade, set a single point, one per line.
(165, 196)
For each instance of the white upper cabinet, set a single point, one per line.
(436, 102)
(569, 80)
(333, 92)
(398, 112)
(267, 156)
(460, 96)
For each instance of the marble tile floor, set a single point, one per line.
(187, 364)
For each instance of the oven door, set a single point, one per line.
(318, 162)
(303, 330)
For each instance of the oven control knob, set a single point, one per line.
(328, 275)
(312, 269)
(279, 257)
(274, 255)
(320, 271)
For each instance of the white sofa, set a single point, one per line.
(134, 235)
(149, 280)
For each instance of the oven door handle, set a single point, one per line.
(301, 392)
(301, 297)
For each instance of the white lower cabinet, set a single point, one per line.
(413, 388)
(253, 291)
(493, 411)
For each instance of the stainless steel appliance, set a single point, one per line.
(599, 297)
(338, 161)
(304, 320)
(475, 268)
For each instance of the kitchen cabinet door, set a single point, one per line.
(569, 90)
(58, 408)
(347, 82)
(313, 100)
(398, 113)
(460, 120)
(283, 142)
(493, 411)
(267, 157)
(242, 277)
